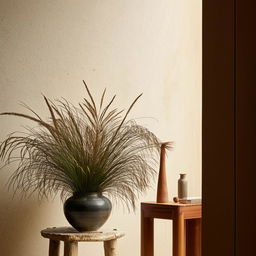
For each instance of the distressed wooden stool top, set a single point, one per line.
(70, 234)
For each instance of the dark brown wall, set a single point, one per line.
(229, 127)
(218, 128)
(246, 127)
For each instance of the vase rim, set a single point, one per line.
(88, 194)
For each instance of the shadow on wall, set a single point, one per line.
(18, 219)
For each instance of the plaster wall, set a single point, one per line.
(128, 47)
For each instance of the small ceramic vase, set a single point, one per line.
(182, 186)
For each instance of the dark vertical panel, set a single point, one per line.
(218, 128)
(246, 127)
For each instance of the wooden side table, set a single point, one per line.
(71, 237)
(186, 227)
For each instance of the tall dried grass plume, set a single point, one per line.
(85, 148)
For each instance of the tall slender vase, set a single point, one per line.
(162, 189)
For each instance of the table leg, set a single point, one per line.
(193, 234)
(70, 248)
(110, 248)
(54, 248)
(147, 236)
(179, 248)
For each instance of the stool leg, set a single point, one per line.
(110, 248)
(54, 248)
(70, 249)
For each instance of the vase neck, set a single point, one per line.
(88, 194)
(183, 175)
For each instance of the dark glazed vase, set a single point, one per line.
(87, 212)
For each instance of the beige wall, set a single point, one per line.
(128, 46)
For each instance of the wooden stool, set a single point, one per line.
(71, 237)
(186, 227)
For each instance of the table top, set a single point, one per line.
(70, 234)
(172, 204)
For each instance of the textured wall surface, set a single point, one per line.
(129, 47)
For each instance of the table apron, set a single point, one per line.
(169, 215)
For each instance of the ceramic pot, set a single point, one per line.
(182, 186)
(87, 212)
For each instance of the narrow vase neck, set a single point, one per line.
(183, 176)
(88, 194)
